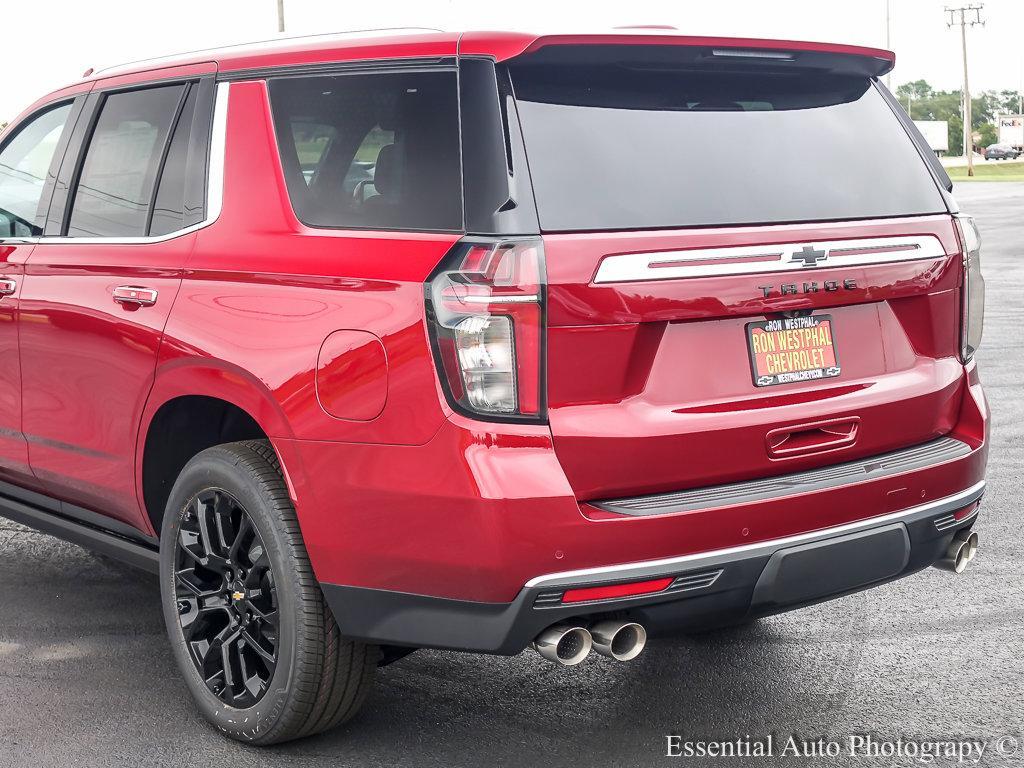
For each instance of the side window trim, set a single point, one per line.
(205, 164)
(164, 152)
(497, 190)
(199, 151)
(45, 199)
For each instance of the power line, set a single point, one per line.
(966, 16)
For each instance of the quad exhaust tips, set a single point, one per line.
(564, 644)
(619, 640)
(568, 645)
(961, 551)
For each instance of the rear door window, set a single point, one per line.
(621, 145)
(116, 184)
(375, 151)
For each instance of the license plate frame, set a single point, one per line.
(824, 365)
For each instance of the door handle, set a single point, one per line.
(818, 437)
(8, 286)
(133, 295)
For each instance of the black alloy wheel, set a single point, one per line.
(227, 599)
(256, 643)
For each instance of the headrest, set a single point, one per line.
(385, 169)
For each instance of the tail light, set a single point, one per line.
(485, 310)
(972, 320)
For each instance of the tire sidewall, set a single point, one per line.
(218, 468)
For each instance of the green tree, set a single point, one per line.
(925, 103)
(1009, 102)
(989, 135)
(919, 89)
(956, 135)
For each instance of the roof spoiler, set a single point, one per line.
(669, 50)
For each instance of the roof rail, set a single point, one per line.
(338, 33)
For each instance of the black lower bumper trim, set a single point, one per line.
(751, 582)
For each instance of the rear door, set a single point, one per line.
(752, 269)
(29, 157)
(99, 286)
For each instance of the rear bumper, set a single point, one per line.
(707, 589)
(451, 543)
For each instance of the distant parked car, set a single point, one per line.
(1001, 152)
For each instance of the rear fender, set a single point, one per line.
(234, 385)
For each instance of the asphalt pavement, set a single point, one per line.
(86, 678)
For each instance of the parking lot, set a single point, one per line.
(86, 678)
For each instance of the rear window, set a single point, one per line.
(615, 146)
(374, 151)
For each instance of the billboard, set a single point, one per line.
(1011, 130)
(936, 133)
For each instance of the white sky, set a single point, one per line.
(49, 43)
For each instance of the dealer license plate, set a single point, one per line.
(792, 349)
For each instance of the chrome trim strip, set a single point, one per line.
(781, 257)
(690, 582)
(531, 299)
(214, 186)
(218, 150)
(645, 569)
(950, 521)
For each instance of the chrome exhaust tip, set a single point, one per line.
(619, 640)
(961, 551)
(972, 545)
(564, 644)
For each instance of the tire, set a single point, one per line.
(286, 672)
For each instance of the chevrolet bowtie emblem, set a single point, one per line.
(236, 596)
(808, 256)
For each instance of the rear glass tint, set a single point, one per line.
(614, 146)
(375, 151)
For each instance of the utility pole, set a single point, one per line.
(965, 16)
(280, 15)
(888, 44)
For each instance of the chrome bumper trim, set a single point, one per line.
(650, 568)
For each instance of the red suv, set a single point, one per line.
(481, 342)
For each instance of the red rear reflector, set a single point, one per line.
(965, 512)
(616, 590)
